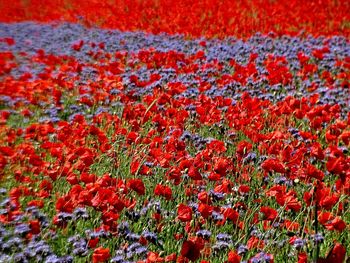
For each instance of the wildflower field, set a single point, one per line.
(174, 131)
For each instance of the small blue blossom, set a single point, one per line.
(299, 243)
(242, 249)
(132, 237)
(206, 234)
(220, 245)
(123, 228)
(317, 238)
(141, 251)
(150, 236)
(216, 196)
(117, 259)
(217, 216)
(22, 229)
(224, 237)
(20, 258)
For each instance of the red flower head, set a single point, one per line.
(273, 165)
(184, 213)
(302, 257)
(233, 257)
(163, 191)
(194, 173)
(205, 210)
(137, 185)
(34, 227)
(335, 255)
(191, 250)
(101, 255)
(269, 213)
(153, 257)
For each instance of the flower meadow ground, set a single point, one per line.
(147, 133)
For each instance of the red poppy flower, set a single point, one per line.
(302, 257)
(255, 242)
(165, 191)
(288, 199)
(221, 166)
(336, 224)
(214, 176)
(273, 165)
(291, 226)
(38, 203)
(153, 257)
(269, 213)
(243, 189)
(243, 148)
(190, 250)
(217, 146)
(345, 137)
(313, 172)
(34, 227)
(64, 204)
(92, 243)
(137, 185)
(205, 210)
(194, 173)
(204, 197)
(184, 213)
(233, 257)
(335, 255)
(337, 165)
(231, 214)
(100, 255)
(170, 258)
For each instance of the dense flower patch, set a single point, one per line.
(131, 147)
(209, 18)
